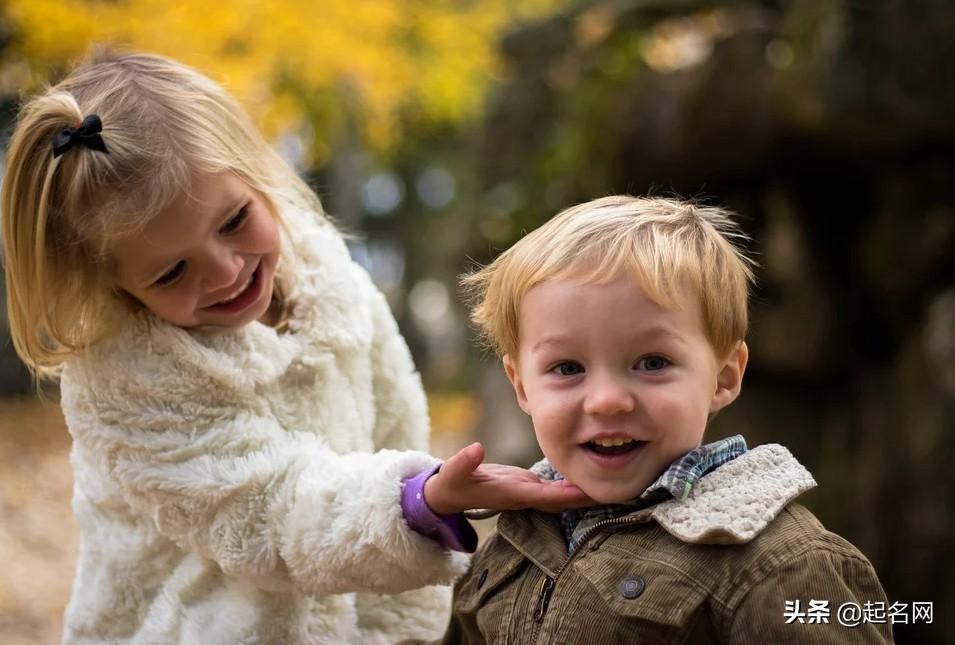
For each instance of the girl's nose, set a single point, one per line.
(607, 396)
(221, 269)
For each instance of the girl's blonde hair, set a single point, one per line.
(163, 124)
(667, 245)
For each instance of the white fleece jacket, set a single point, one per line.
(243, 487)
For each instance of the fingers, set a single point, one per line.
(462, 464)
(465, 483)
(555, 497)
(512, 494)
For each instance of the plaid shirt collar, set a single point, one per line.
(676, 482)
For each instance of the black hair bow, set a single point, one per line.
(86, 134)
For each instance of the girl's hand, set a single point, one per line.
(464, 483)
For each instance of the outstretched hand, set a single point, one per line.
(465, 483)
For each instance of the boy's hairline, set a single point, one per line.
(574, 273)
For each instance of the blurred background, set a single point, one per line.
(439, 132)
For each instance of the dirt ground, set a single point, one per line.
(38, 537)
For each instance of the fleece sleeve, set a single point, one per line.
(401, 411)
(277, 507)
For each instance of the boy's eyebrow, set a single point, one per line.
(660, 330)
(550, 340)
(655, 332)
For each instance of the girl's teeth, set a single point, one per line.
(236, 293)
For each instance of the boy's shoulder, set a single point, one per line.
(794, 534)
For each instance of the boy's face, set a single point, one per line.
(617, 386)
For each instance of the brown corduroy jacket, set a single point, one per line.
(726, 565)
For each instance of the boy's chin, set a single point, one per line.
(608, 494)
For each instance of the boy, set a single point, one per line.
(621, 324)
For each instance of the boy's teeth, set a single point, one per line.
(609, 443)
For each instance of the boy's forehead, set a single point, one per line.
(553, 303)
(674, 292)
(547, 318)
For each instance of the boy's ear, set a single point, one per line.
(729, 380)
(514, 376)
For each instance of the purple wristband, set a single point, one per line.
(451, 531)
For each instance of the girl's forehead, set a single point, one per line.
(190, 215)
(202, 196)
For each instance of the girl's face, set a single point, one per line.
(209, 258)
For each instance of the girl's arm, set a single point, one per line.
(274, 506)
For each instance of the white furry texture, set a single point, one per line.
(228, 488)
(734, 503)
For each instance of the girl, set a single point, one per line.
(243, 410)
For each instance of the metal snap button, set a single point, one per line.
(631, 587)
(482, 579)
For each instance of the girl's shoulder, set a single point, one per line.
(150, 353)
(141, 347)
(331, 296)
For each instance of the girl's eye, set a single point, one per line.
(235, 221)
(652, 363)
(569, 368)
(171, 275)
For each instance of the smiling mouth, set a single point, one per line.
(235, 294)
(241, 297)
(613, 446)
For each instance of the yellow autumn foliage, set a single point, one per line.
(297, 65)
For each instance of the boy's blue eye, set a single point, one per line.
(235, 221)
(569, 368)
(170, 276)
(652, 363)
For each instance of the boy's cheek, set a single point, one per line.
(550, 420)
(672, 407)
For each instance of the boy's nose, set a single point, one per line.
(608, 397)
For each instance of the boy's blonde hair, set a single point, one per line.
(163, 124)
(667, 245)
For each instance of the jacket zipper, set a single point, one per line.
(548, 584)
(543, 599)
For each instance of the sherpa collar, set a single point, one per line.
(734, 503)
